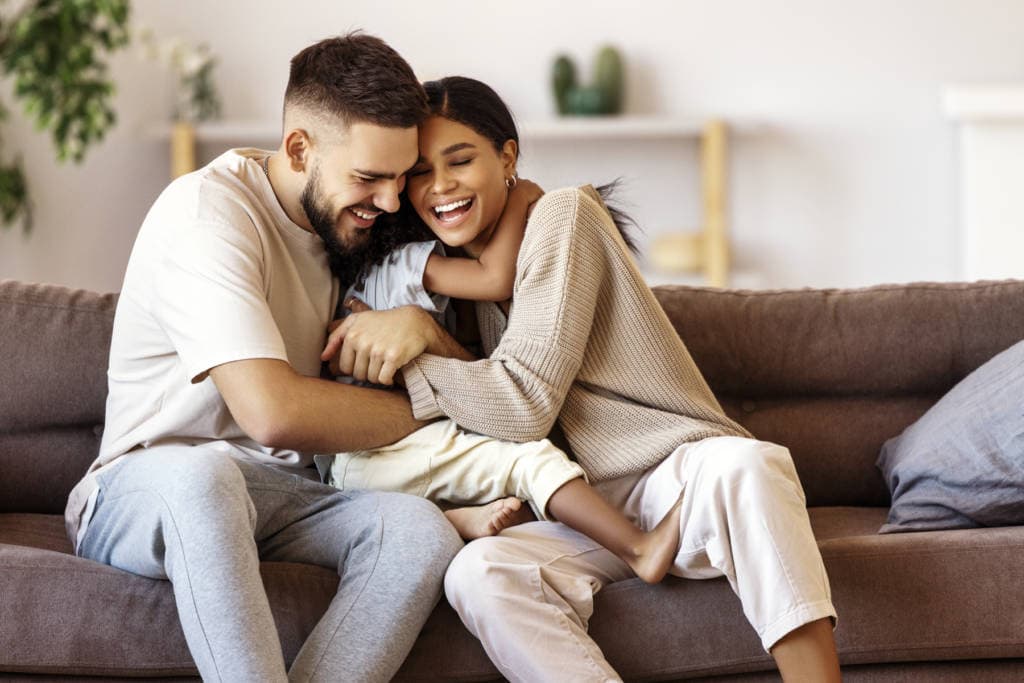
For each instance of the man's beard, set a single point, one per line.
(345, 260)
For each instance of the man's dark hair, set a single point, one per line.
(358, 78)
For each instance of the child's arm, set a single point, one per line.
(491, 276)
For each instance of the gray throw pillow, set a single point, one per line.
(962, 464)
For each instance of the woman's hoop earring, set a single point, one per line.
(512, 181)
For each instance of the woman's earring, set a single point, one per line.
(511, 181)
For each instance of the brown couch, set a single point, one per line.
(830, 374)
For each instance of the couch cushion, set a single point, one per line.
(944, 595)
(44, 532)
(832, 374)
(54, 343)
(65, 614)
(918, 338)
(41, 466)
(931, 596)
(961, 465)
(834, 441)
(986, 671)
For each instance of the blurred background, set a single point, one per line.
(844, 160)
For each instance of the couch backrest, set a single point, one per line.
(832, 374)
(829, 373)
(54, 344)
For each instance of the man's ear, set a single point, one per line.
(297, 147)
(509, 155)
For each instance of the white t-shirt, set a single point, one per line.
(218, 273)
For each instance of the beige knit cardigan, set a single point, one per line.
(585, 343)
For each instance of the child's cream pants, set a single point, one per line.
(444, 464)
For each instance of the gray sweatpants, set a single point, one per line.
(204, 521)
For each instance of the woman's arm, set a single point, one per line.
(489, 277)
(518, 392)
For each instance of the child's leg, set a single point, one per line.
(649, 553)
(556, 488)
(480, 521)
(445, 465)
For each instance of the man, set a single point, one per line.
(216, 404)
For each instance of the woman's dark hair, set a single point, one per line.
(473, 104)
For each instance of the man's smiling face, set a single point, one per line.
(354, 180)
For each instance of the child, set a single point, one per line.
(447, 465)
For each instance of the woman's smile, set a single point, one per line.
(453, 213)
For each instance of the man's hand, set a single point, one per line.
(374, 345)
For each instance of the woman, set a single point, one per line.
(585, 344)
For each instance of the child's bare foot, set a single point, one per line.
(655, 554)
(488, 520)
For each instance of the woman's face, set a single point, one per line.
(458, 184)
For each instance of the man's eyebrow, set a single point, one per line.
(376, 175)
(380, 175)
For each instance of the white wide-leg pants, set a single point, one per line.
(527, 593)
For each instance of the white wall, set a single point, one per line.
(843, 173)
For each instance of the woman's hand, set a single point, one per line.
(373, 345)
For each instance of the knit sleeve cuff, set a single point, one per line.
(424, 404)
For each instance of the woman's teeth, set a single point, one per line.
(445, 208)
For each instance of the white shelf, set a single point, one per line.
(610, 127)
(567, 128)
(991, 102)
(232, 132)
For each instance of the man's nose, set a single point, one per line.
(387, 199)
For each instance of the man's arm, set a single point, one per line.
(374, 345)
(279, 408)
